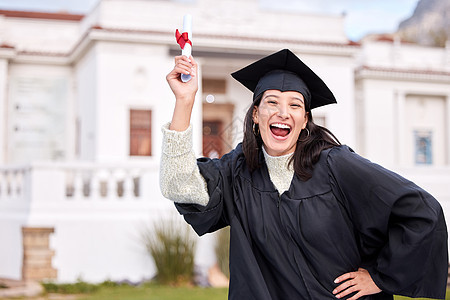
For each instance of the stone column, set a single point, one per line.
(37, 255)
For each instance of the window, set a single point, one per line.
(212, 140)
(140, 132)
(425, 135)
(423, 146)
(214, 86)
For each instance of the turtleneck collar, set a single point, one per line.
(280, 172)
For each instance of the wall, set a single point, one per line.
(223, 18)
(384, 118)
(39, 119)
(129, 77)
(337, 72)
(3, 108)
(14, 212)
(40, 35)
(389, 74)
(86, 107)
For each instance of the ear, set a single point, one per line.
(306, 120)
(255, 114)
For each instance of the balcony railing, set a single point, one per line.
(95, 208)
(81, 180)
(12, 182)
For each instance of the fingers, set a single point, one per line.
(347, 287)
(349, 291)
(183, 91)
(359, 282)
(344, 277)
(344, 286)
(356, 296)
(185, 65)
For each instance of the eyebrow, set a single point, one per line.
(276, 96)
(298, 98)
(270, 95)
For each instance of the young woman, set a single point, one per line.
(309, 218)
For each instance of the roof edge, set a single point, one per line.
(61, 16)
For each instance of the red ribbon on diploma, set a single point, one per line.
(182, 39)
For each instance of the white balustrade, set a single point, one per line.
(78, 185)
(2, 185)
(102, 179)
(74, 181)
(20, 183)
(85, 202)
(128, 187)
(12, 182)
(94, 191)
(8, 184)
(105, 182)
(111, 186)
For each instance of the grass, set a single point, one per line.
(157, 292)
(154, 292)
(71, 288)
(161, 292)
(447, 297)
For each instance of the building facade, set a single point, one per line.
(83, 99)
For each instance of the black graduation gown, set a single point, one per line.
(350, 214)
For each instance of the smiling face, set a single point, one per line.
(281, 116)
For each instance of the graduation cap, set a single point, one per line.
(284, 71)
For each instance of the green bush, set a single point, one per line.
(79, 287)
(222, 250)
(171, 244)
(110, 284)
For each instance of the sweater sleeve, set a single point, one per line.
(180, 178)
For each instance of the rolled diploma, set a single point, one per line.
(187, 27)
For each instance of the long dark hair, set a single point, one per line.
(308, 149)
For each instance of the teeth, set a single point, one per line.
(282, 126)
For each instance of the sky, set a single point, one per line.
(362, 16)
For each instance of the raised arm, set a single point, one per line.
(184, 91)
(180, 178)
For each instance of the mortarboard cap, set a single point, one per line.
(284, 71)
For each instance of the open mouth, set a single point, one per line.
(280, 129)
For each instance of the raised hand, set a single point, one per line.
(184, 91)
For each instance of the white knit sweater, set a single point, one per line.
(180, 178)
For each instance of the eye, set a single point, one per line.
(296, 105)
(271, 101)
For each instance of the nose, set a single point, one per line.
(283, 112)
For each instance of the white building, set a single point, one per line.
(83, 98)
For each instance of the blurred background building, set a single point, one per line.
(83, 99)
